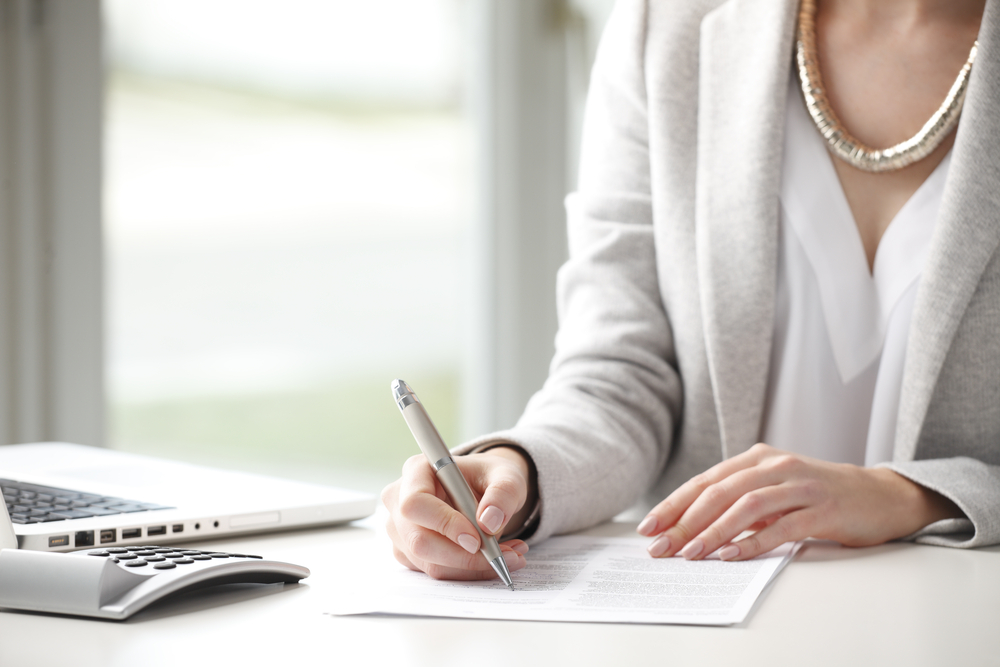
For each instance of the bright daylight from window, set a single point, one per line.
(288, 192)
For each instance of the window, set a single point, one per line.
(288, 193)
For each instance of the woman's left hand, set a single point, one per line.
(786, 497)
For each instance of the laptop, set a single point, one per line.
(62, 497)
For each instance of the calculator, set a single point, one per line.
(115, 583)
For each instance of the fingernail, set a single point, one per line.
(729, 552)
(693, 548)
(469, 543)
(648, 526)
(520, 547)
(512, 559)
(492, 517)
(659, 546)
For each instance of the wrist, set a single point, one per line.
(920, 505)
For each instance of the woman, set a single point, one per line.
(735, 279)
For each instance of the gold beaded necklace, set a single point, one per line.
(839, 140)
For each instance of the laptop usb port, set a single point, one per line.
(108, 535)
(177, 528)
(131, 533)
(156, 530)
(59, 541)
(85, 538)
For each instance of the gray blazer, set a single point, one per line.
(666, 304)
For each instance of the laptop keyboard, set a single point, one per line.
(34, 503)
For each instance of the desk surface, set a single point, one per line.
(896, 604)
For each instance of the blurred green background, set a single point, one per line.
(349, 435)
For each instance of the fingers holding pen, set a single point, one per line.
(421, 502)
(419, 548)
(465, 566)
(430, 535)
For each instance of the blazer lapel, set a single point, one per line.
(745, 61)
(966, 237)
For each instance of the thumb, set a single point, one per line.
(505, 488)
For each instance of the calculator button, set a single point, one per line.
(201, 557)
(154, 559)
(135, 563)
(173, 555)
(191, 552)
(166, 565)
(127, 556)
(183, 561)
(163, 551)
(117, 550)
(219, 555)
(98, 553)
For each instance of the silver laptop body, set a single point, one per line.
(189, 502)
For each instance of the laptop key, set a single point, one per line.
(102, 511)
(70, 514)
(126, 509)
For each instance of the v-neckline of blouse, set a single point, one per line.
(856, 302)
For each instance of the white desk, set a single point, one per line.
(897, 604)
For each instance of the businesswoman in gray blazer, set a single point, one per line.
(747, 267)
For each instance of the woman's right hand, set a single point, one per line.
(429, 535)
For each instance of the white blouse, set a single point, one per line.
(840, 330)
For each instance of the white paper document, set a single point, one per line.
(580, 578)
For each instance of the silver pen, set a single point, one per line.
(451, 478)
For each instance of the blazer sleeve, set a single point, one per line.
(600, 429)
(973, 485)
